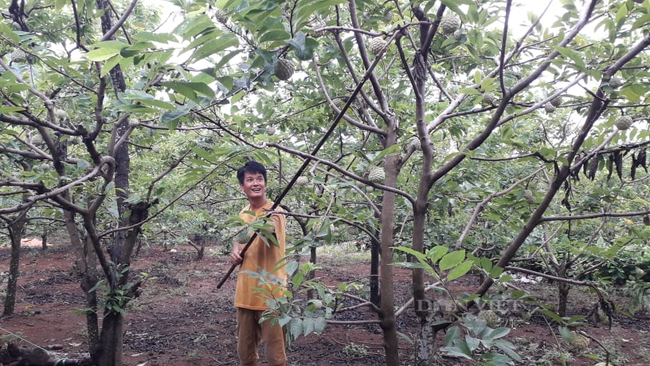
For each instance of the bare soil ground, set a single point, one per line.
(183, 319)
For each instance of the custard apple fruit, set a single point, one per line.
(370, 189)
(490, 98)
(60, 113)
(579, 342)
(377, 46)
(623, 122)
(556, 102)
(415, 143)
(549, 108)
(376, 174)
(490, 317)
(220, 15)
(270, 130)
(615, 82)
(302, 181)
(18, 55)
(528, 196)
(449, 24)
(284, 70)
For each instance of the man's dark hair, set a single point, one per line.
(252, 167)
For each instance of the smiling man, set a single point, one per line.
(263, 256)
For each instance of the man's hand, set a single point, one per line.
(235, 257)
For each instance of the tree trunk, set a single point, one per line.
(16, 230)
(111, 335)
(375, 297)
(387, 308)
(563, 291)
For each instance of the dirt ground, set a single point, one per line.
(183, 319)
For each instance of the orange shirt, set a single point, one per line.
(261, 256)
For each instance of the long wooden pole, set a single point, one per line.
(305, 164)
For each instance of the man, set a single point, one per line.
(264, 255)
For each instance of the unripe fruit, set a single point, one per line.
(528, 196)
(623, 122)
(133, 122)
(302, 181)
(449, 24)
(18, 55)
(60, 113)
(270, 130)
(220, 15)
(556, 102)
(376, 174)
(615, 82)
(415, 143)
(377, 46)
(549, 108)
(317, 304)
(490, 317)
(370, 189)
(37, 139)
(579, 341)
(490, 98)
(284, 70)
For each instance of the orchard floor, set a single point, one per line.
(183, 319)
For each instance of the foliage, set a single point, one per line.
(473, 339)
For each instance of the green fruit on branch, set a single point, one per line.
(490, 317)
(18, 55)
(623, 122)
(302, 181)
(549, 108)
(284, 69)
(556, 102)
(449, 24)
(615, 82)
(529, 197)
(490, 98)
(220, 16)
(415, 143)
(133, 122)
(376, 174)
(270, 130)
(60, 113)
(377, 46)
(370, 189)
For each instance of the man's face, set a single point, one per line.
(254, 185)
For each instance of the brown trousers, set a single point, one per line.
(250, 332)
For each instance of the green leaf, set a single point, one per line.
(454, 5)
(190, 89)
(452, 259)
(575, 56)
(275, 35)
(154, 37)
(319, 325)
(434, 254)
(303, 47)
(102, 54)
(11, 109)
(215, 45)
(295, 327)
(459, 271)
(110, 64)
(415, 253)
